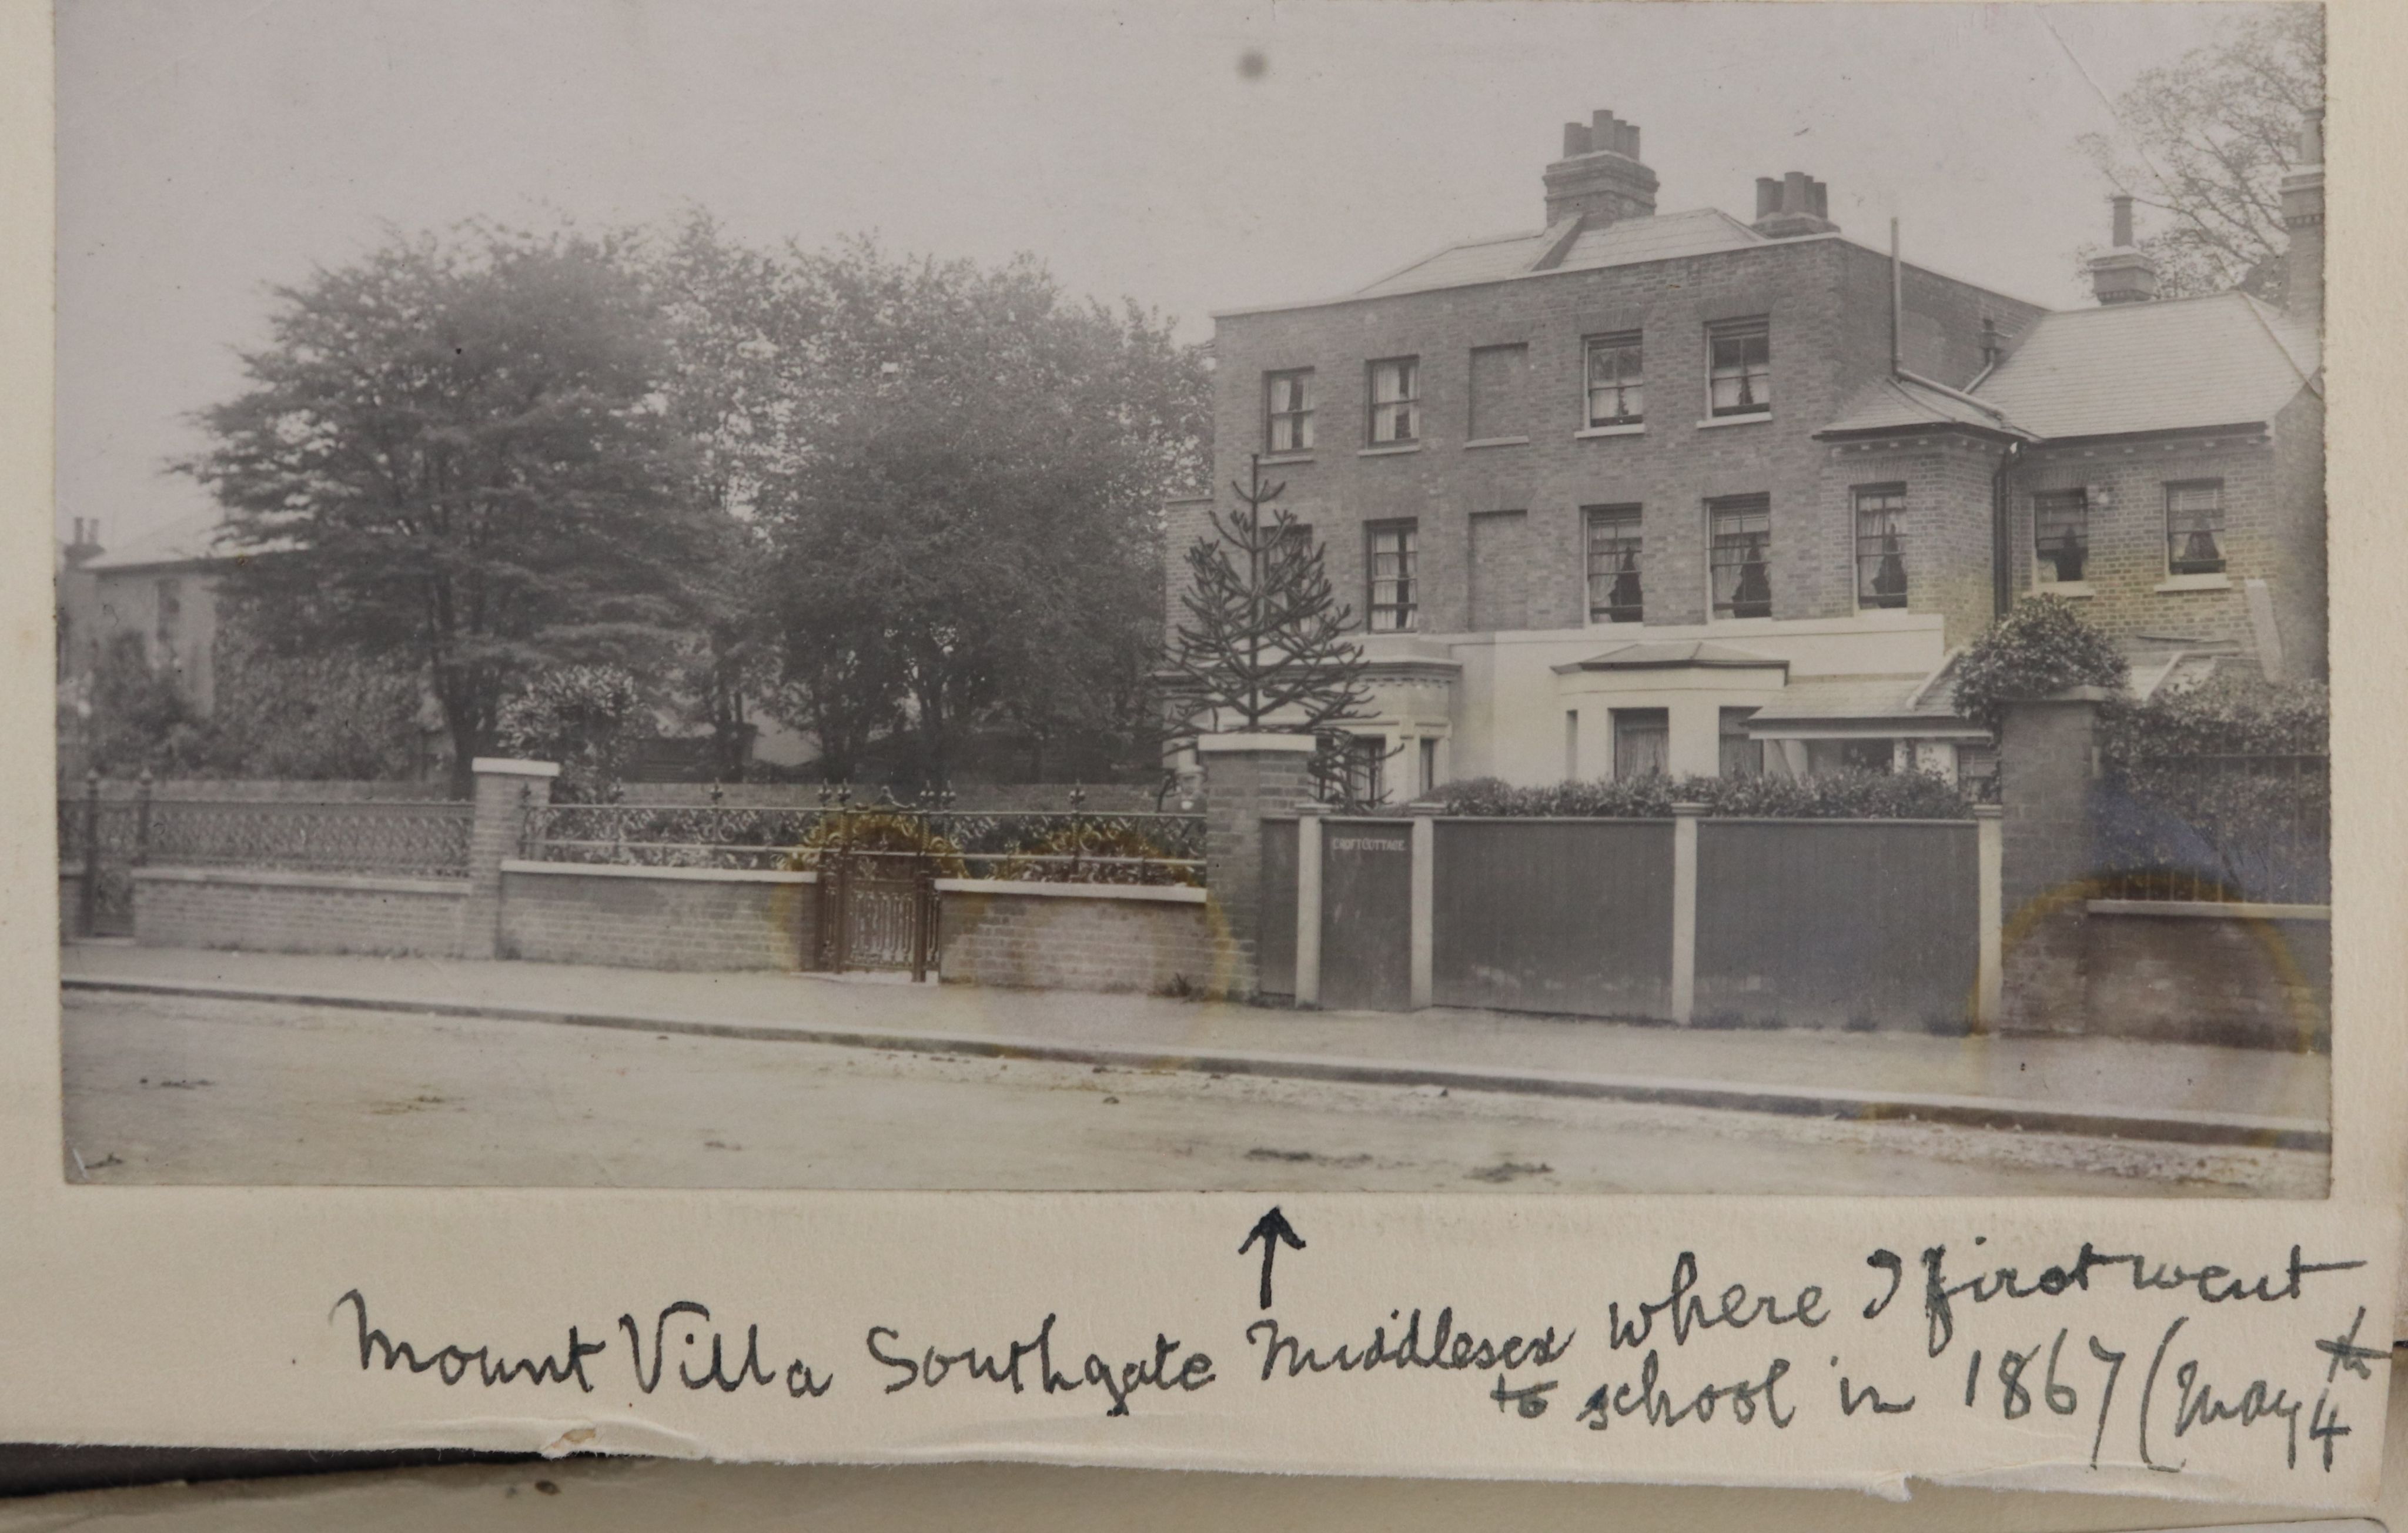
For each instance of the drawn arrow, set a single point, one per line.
(1271, 1229)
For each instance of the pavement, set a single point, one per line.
(2106, 1087)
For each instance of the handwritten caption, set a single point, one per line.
(2146, 1393)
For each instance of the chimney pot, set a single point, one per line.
(1818, 200)
(1793, 192)
(2123, 240)
(1631, 139)
(1603, 131)
(2312, 138)
(1600, 176)
(1767, 196)
(1796, 204)
(1575, 139)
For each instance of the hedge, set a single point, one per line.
(1851, 794)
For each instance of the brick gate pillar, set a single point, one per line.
(1246, 777)
(2049, 765)
(504, 788)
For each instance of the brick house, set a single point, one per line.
(1672, 491)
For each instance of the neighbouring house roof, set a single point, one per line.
(188, 540)
(1899, 404)
(2162, 366)
(1695, 652)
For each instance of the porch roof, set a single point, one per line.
(1694, 653)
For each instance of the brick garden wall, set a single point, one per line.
(2237, 980)
(298, 912)
(662, 918)
(1094, 942)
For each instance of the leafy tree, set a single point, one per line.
(1266, 643)
(969, 537)
(587, 718)
(141, 719)
(2041, 646)
(2205, 142)
(336, 715)
(455, 454)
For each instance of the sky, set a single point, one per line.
(1194, 154)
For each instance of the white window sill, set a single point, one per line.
(2076, 588)
(1275, 460)
(1712, 422)
(1388, 449)
(1495, 441)
(1637, 428)
(2195, 582)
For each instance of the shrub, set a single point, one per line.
(2041, 647)
(587, 718)
(1837, 796)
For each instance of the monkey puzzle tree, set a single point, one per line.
(1264, 645)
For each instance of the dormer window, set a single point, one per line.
(1740, 367)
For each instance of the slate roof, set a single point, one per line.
(1621, 243)
(1695, 651)
(1832, 698)
(188, 540)
(1890, 404)
(2161, 366)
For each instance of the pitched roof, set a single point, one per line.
(2161, 366)
(187, 540)
(1833, 698)
(1621, 243)
(1889, 404)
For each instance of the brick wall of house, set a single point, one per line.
(1066, 942)
(1829, 309)
(2272, 522)
(297, 912)
(656, 923)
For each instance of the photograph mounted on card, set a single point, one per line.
(796, 733)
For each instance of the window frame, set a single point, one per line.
(1718, 610)
(1752, 748)
(1407, 583)
(1301, 415)
(1410, 401)
(1592, 517)
(1858, 495)
(1758, 328)
(2046, 570)
(2174, 567)
(1618, 340)
(1621, 719)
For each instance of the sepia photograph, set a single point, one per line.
(1342, 597)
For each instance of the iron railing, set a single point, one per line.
(409, 840)
(1067, 847)
(2222, 828)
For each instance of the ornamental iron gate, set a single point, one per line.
(877, 871)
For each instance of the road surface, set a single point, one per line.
(176, 1089)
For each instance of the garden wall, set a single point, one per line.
(269, 911)
(1096, 936)
(2242, 976)
(662, 918)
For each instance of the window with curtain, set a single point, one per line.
(1287, 411)
(1395, 551)
(2195, 528)
(1617, 381)
(1881, 545)
(1740, 367)
(2061, 534)
(1642, 742)
(1740, 755)
(1740, 555)
(1395, 401)
(1614, 552)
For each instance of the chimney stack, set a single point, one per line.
(2123, 275)
(1795, 205)
(1599, 177)
(2303, 215)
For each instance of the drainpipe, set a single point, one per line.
(2002, 585)
(1897, 305)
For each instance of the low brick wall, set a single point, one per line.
(666, 918)
(2250, 977)
(70, 903)
(266, 911)
(1095, 937)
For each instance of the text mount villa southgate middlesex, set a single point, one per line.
(1644, 491)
